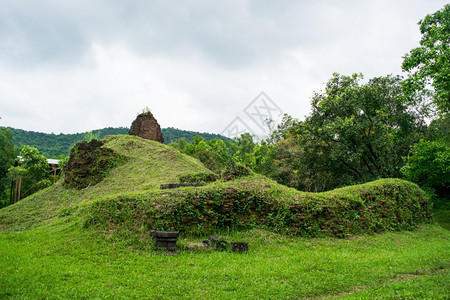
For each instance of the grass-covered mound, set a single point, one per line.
(254, 201)
(144, 166)
(129, 201)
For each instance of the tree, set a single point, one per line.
(263, 155)
(429, 64)
(355, 133)
(428, 165)
(243, 150)
(213, 154)
(222, 151)
(6, 161)
(31, 173)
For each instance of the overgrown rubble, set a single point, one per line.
(88, 164)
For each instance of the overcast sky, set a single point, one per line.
(74, 66)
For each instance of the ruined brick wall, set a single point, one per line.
(146, 126)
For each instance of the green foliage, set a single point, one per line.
(428, 165)
(32, 172)
(6, 151)
(439, 129)
(244, 149)
(263, 155)
(172, 135)
(355, 133)
(6, 161)
(214, 154)
(429, 64)
(221, 150)
(209, 159)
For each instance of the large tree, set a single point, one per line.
(356, 132)
(428, 65)
(428, 68)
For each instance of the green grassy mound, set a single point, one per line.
(255, 202)
(128, 201)
(147, 165)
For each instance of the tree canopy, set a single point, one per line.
(429, 64)
(356, 132)
(6, 161)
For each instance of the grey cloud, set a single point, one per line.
(231, 34)
(31, 35)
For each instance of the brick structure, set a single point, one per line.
(146, 126)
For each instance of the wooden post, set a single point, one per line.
(11, 192)
(16, 186)
(20, 186)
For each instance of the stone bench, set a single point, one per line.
(165, 240)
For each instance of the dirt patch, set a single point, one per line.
(88, 164)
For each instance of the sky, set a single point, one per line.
(69, 66)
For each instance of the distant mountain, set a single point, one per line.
(53, 145)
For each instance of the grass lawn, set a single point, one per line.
(55, 262)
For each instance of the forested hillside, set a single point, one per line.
(54, 145)
(172, 135)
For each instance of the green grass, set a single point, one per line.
(442, 216)
(47, 251)
(62, 261)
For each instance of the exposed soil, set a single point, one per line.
(88, 164)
